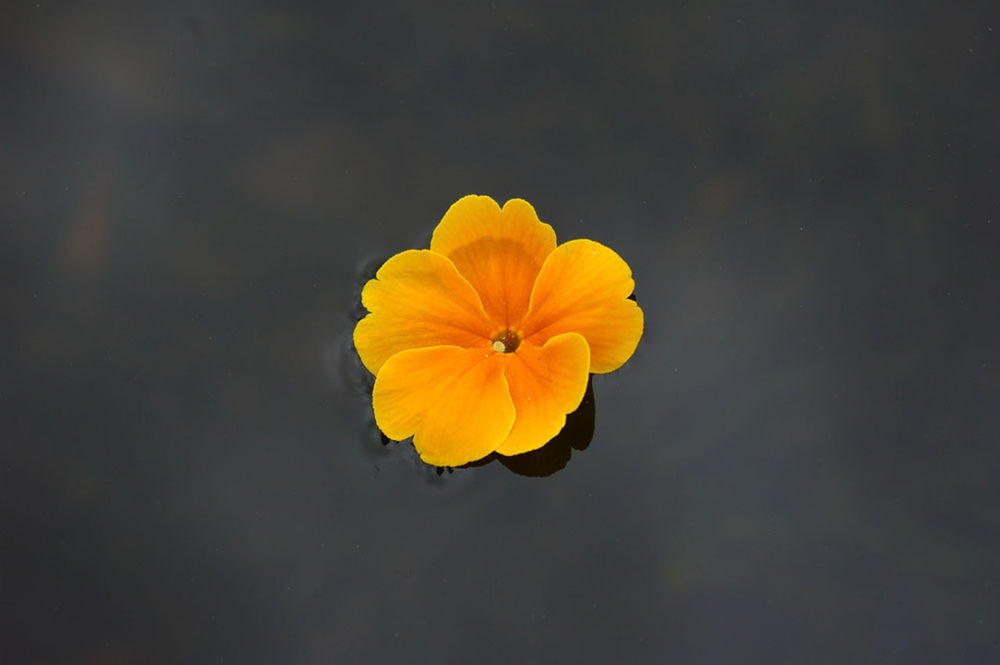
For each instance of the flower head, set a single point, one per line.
(484, 342)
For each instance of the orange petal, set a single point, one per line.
(498, 251)
(584, 287)
(418, 299)
(454, 402)
(546, 383)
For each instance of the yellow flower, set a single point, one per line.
(485, 341)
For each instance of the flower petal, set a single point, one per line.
(454, 402)
(418, 299)
(498, 251)
(584, 287)
(546, 383)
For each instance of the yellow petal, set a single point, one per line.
(454, 402)
(546, 383)
(498, 251)
(584, 287)
(418, 299)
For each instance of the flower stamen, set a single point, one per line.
(506, 341)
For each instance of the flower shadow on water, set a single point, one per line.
(547, 460)
(554, 455)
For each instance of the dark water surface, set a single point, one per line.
(797, 466)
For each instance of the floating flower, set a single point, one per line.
(485, 342)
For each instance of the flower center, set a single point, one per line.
(506, 341)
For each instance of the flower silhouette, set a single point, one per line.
(484, 342)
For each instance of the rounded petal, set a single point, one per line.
(499, 251)
(454, 402)
(418, 299)
(546, 383)
(584, 287)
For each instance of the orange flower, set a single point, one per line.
(485, 341)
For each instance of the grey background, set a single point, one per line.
(797, 466)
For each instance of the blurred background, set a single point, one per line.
(797, 466)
